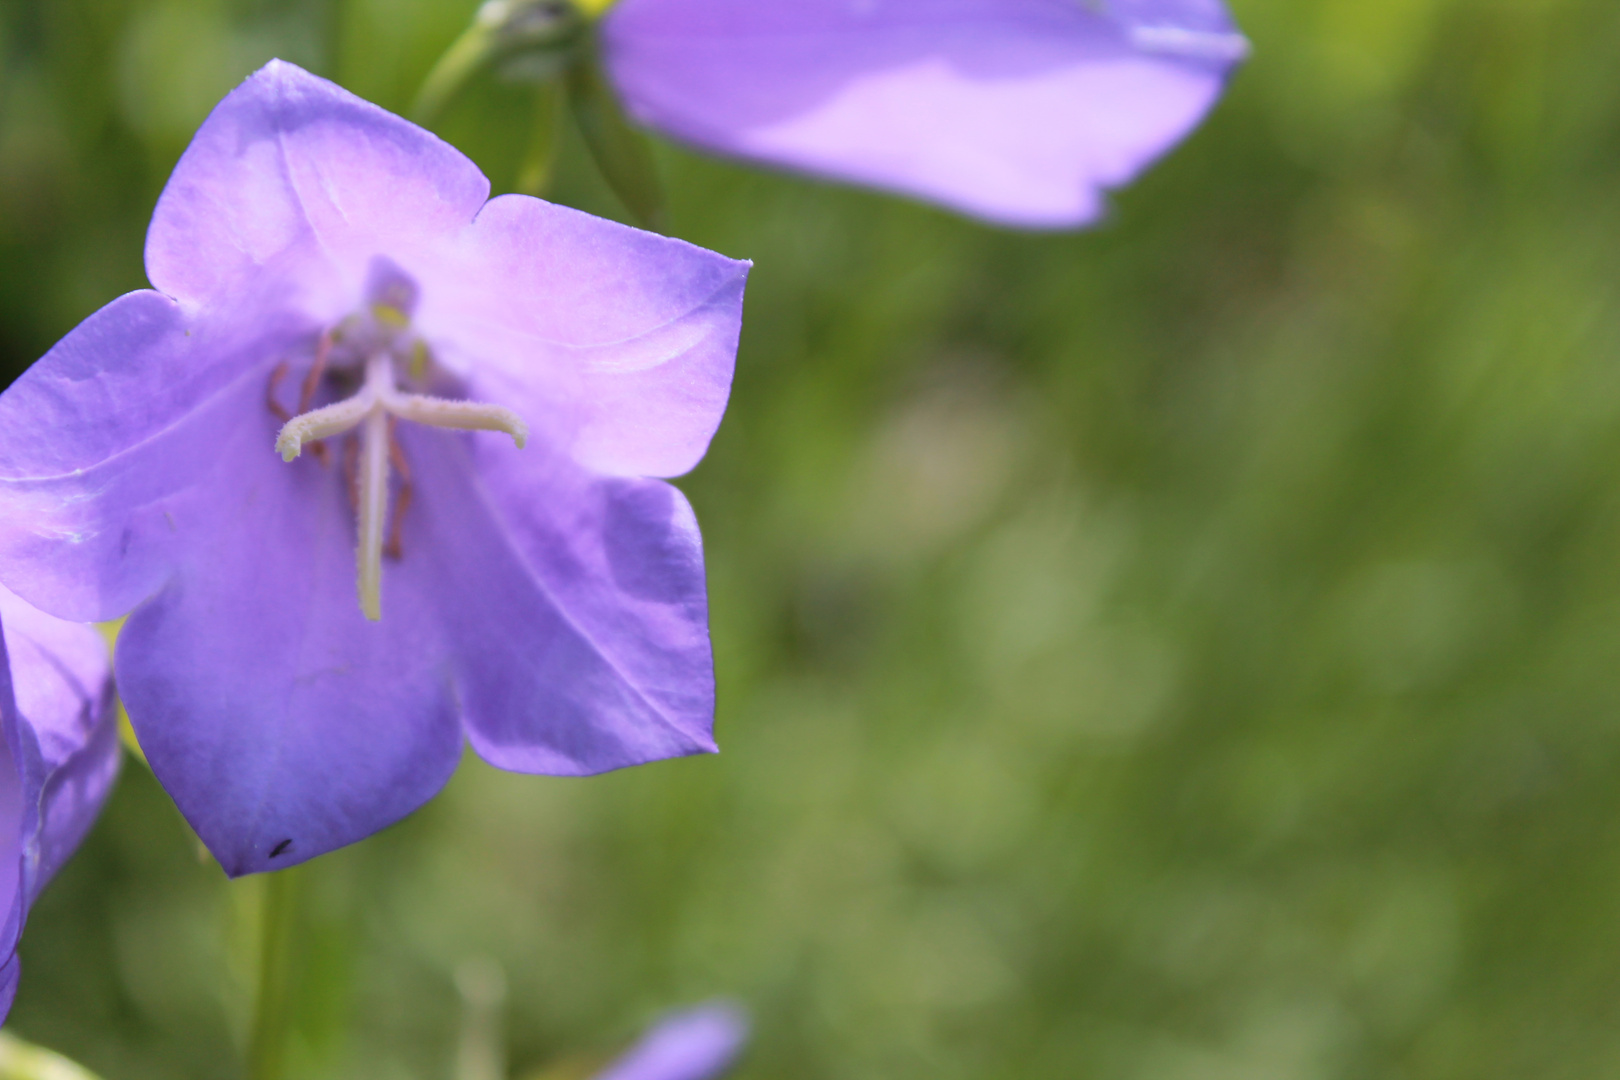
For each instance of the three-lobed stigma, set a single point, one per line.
(380, 344)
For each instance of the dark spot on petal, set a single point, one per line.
(123, 542)
(281, 847)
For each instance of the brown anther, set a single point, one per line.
(396, 452)
(312, 380)
(351, 471)
(395, 548)
(277, 373)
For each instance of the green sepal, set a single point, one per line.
(540, 159)
(622, 153)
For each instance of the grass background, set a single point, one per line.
(1183, 650)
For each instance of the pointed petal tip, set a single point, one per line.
(276, 73)
(275, 67)
(258, 857)
(285, 71)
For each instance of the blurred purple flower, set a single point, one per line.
(1018, 111)
(58, 757)
(696, 1044)
(318, 256)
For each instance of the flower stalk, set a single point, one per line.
(551, 43)
(481, 1050)
(273, 998)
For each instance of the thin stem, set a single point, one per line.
(466, 54)
(501, 29)
(272, 1009)
(481, 1054)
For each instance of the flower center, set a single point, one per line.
(378, 343)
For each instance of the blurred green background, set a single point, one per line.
(1184, 650)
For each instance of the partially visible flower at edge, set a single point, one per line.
(695, 1044)
(21, 1060)
(58, 758)
(332, 283)
(1021, 112)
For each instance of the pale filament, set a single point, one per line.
(373, 508)
(371, 411)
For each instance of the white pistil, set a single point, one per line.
(369, 410)
(462, 415)
(373, 508)
(323, 423)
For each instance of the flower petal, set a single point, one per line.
(58, 758)
(576, 604)
(13, 809)
(273, 712)
(101, 438)
(1018, 111)
(62, 680)
(289, 159)
(282, 722)
(697, 1044)
(10, 972)
(619, 343)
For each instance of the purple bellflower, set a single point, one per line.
(58, 757)
(331, 283)
(1017, 111)
(696, 1044)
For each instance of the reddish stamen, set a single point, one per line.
(395, 548)
(277, 373)
(312, 381)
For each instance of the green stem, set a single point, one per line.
(482, 1053)
(272, 1007)
(501, 30)
(466, 55)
